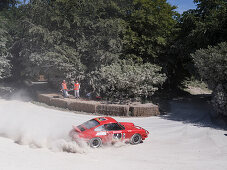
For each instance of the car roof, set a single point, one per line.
(105, 120)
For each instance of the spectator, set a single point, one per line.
(77, 90)
(64, 89)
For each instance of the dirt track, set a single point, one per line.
(34, 137)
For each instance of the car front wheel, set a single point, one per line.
(135, 139)
(95, 142)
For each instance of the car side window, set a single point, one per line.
(112, 126)
(100, 128)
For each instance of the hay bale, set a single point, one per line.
(95, 107)
(43, 99)
(57, 102)
(110, 109)
(82, 106)
(144, 110)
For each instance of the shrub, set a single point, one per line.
(212, 67)
(126, 79)
(5, 66)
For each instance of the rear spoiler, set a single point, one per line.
(76, 129)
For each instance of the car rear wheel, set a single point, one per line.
(95, 142)
(135, 139)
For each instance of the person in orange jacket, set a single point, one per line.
(77, 89)
(64, 89)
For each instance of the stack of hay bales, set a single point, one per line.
(57, 102)
(52, 100)
(84, 106)
(96, 107)
(112, 109)
(148, 109)
(43, 98)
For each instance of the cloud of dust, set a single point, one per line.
(38, 127)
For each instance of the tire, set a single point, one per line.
(95, 142)
(135, 139)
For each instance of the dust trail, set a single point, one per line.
(37, 127)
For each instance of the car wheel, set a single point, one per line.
(135, 139)
(95, 142)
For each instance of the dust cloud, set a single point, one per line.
(36, 126)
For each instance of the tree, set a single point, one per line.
(5, 66)
(41, 47)
(205, 25)
(198, 28)
(211, 64)
(149, 26)
(76, 40)
(69, 40)
(125, 79)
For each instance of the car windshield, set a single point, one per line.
(90, 124)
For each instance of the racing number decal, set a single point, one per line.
(118, 135)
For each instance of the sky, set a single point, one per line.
(183, 5)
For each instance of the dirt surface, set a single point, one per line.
(197, 90)
(34, 137)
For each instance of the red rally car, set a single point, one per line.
(103, 130)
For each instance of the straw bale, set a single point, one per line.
(144, 110)
(110, 109)
(43, 99)
(82, 106)
(57, 102)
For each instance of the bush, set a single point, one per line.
(212, 67)
(125, 79)
(220, 99)
(5, 66)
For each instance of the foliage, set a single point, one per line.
(66, 43)
(80, 39)
(212, 64)
(5, 66)
(205, 25)
(200, 27)
(212, 67)
(125, 79)
(149, 26)
(220, 99)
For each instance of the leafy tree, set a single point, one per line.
(125, 79)
(211, 64)
(200, 27)
(149, 27)
(79, 40)
(5, 66)
(95, 30)
(205, 25)
(70, 39)
(5, 37)
(40, 49)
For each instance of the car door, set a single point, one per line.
(114, 132)
(102, 133)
